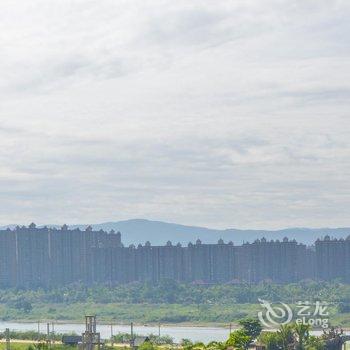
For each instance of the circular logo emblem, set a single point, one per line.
(274, 315)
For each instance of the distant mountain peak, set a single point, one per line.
(141, 230)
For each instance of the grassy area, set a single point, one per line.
(15, 346)
(140, 313)
(149, 313)
(32, 346)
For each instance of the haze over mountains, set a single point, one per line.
(158, 233)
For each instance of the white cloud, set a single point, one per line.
(219, 113)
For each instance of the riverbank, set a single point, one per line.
(190, 315)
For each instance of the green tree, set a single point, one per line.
(271, 340)
(198, 345)
(239, 339)
(147, 345)
(186, 344)
(301, 332)
(314, 343)
(215, 345)
(286, 335)
(251, 326)
(23, 304)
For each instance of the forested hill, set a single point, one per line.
(139, 231)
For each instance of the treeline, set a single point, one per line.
(171, 292)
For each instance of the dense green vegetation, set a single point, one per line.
(140, 313)
(171, 292)
(168, 302)
(292, 336)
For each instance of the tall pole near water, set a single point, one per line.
(112, 334)
(132, 343)
(48, 339)
(53, 332)
(7, 332)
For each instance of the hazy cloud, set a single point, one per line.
(227, 114)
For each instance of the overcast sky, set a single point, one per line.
(212, 113)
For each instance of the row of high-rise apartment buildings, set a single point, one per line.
(33, 257)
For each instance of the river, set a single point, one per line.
(203, 334)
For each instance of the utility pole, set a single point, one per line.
(112, 335)
(53, 332)
(132, 342)
(38, 330)
(48, 340)
(158, 329)
(7, 333)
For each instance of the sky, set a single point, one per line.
(210, 113)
